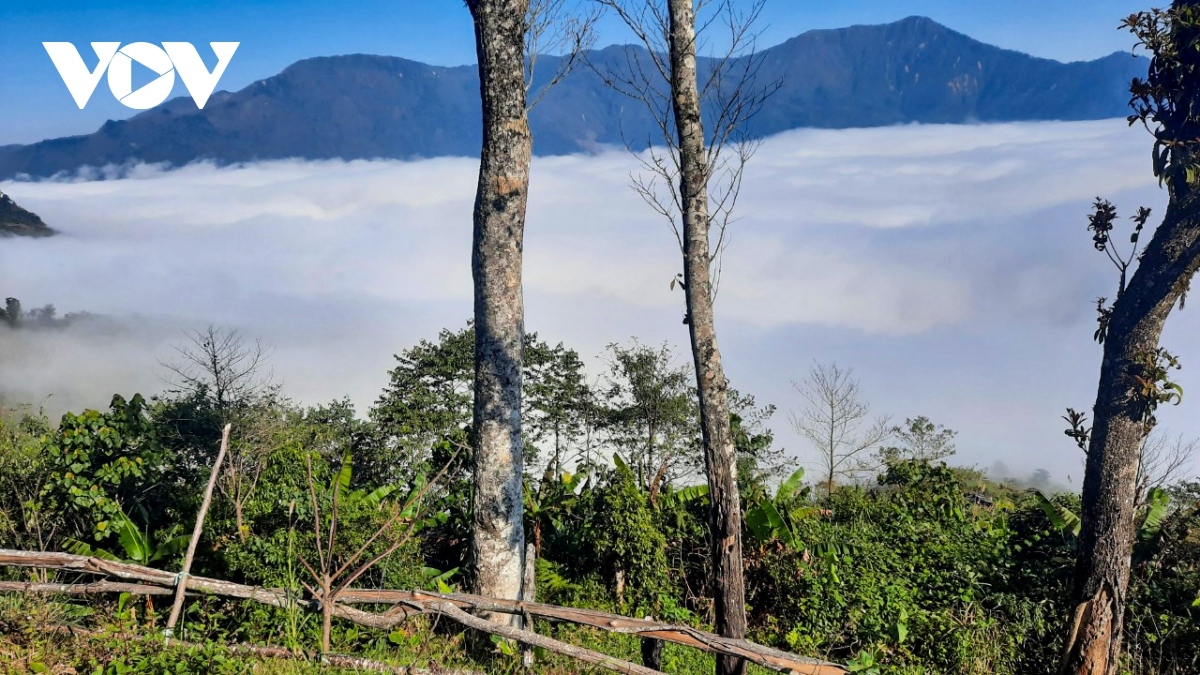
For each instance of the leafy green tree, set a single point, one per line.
(429, 397)
(11, 314)
(104, 463)
(560, 406)
(651, 417)
(629, 544)
(920, 439)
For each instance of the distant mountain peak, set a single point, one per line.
(361, 106)
(16, 221)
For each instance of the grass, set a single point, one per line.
(45, 635)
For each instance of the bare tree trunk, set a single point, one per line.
(719, 457)
(240, 519)
(498, 537)
(832, 460)
(327, 606)
(1119, 428)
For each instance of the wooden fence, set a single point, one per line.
(402, 605)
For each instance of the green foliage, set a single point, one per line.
(25, 468)
(932, 570)
(907, 577)
(1156, 386)
(651, 413)
(139, 546)
(920, 439)
(1164, 101)
(627, 539)
(104, 462)
(1062, 518)
(775, 518)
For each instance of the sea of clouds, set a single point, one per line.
(950, 266)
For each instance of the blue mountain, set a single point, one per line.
(360, 106)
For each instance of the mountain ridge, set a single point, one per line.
(19, 222)
(363, 106)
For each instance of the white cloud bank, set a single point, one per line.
(949, 265)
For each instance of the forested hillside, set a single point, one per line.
(909, 562)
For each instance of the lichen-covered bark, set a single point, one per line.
(498, 536)
(1110, 480)
(719, 457)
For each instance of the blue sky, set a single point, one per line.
(34, 103)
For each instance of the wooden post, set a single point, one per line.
(181, 579)
(529, 594)
(652, 651)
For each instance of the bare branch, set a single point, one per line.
(835, 420)
(556, 27)
(730, 94)
(220, 364)
(1164, 460)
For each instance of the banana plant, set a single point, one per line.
(1154, 514)
(433, 576)
(547, 507)
(774, 518)
(361, 497)
(139, 546)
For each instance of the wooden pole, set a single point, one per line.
(529, 594)
(652, 651)
(181, 580)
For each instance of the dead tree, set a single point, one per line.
(695, 183)
(232, 375)
(1135, 371)
(219, 364)
(835, 421)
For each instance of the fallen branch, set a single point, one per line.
(613, 623)
(535, 640)
(94, 588)
(406, 604)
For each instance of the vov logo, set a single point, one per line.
(171, 58)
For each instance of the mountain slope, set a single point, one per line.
(359, 106)
(15, 220)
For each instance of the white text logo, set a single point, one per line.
(171, 58)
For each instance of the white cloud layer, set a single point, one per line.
(949, 265)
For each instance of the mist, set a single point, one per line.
(949, 266)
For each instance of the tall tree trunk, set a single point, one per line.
(1110, 481)
(719, 457)
(498, 535)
